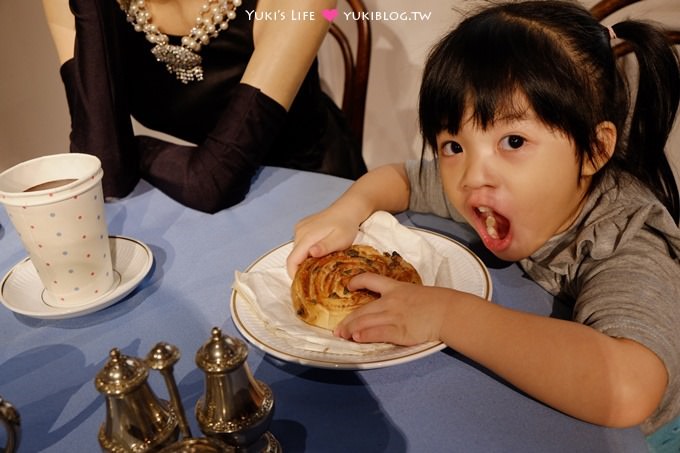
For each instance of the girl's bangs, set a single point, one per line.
(488, 70)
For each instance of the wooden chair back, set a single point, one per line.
(606, 8)
(357, 64)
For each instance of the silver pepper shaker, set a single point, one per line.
(9, 417)
(236, 408)
(136, 420)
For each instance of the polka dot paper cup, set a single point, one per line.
(56, 205)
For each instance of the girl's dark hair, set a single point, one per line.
(560, 58)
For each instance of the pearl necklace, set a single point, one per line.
(183, 61)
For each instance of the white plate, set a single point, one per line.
(471, 276)
(22, 292)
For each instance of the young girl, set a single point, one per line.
(527, 114)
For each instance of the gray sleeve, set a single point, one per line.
(635, 294)
(427, 193)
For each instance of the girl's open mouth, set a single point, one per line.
(493, 228)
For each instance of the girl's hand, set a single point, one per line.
(405, 314)
(384, 188)
(320, 234)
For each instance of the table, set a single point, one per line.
(443, 402)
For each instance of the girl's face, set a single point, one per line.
(517, 182)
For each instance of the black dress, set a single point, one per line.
(236, 128)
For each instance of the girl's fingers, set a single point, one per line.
(378, 334)
(307, 245)
(373, 282)
(299, 253)
(296, 256)
(319, 244)
(370, 324)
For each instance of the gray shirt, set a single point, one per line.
(618, 265)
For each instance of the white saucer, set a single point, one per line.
(22, 292)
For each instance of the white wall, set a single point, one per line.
(398, 54)
(34, 117)
(33, 113)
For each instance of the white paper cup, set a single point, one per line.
(56, 204)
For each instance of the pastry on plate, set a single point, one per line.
(319, 290)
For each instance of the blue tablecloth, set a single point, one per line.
(443, 402)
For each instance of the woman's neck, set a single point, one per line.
(174, 17)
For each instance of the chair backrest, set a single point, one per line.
(605, 8)
(357, 65)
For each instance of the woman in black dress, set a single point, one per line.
(236, 79)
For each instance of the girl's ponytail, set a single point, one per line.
(655, 108)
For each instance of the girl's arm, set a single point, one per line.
(567, 365)
(385, 188)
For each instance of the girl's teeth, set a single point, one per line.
(490, 222)
(492, 232)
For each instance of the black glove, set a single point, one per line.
(100, 119)
(217, 173)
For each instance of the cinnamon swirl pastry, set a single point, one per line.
(319, 289)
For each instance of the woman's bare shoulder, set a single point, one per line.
(62, 27)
